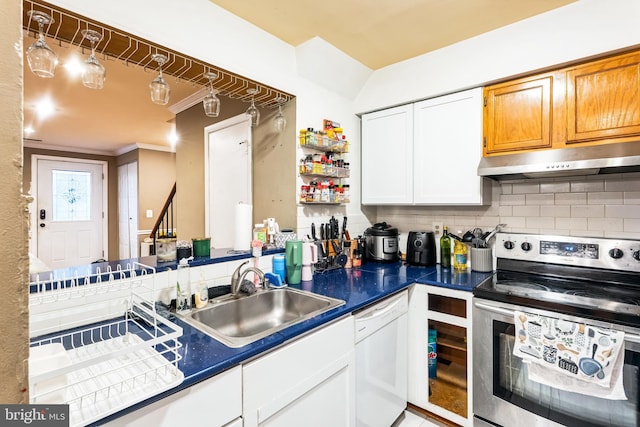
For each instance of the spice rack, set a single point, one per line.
(104, 365)
(320, 170)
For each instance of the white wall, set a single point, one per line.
(578, 30)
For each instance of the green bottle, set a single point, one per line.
(445, 249)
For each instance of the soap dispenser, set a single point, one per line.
(202, 293)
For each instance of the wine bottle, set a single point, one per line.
(445, 249)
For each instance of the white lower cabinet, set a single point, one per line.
(309, 382)
(447, 312)
(214, 402)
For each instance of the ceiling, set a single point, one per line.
(122, 114)
(382, 32)
(104, 120)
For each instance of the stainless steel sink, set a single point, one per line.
(238, 321)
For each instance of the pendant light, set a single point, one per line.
(252, 111)
(279, 121)
(42, 60)
(159, 88)
(211, 103)
(93, 74)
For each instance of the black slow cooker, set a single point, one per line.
(382, 242)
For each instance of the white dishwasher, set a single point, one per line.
(381, 361)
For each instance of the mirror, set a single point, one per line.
(99, 125)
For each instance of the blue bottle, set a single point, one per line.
(278, 267)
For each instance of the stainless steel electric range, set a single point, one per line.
(592, 281)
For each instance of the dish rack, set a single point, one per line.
(99, 363)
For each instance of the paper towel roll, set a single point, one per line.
(243, 227)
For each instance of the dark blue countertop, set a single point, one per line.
(204, 357)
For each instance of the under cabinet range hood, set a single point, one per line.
(591, 160)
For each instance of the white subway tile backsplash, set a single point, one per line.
(570, 198)
(555, 187)
(605, 224)
(541, 222)
(589, 211)
(579, 186)
(532, 210)
(632, 225)
(572, 223)
(505, 211)
(622, 211)
(540, 199)
(586, 206)
(623, 182)
(514, 221)
(516, 199)
(587, 233)
(631, 197)
(555, 211)
(526, 187)
(605, 198)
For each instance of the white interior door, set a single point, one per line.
(70, 204)
(128, 210)
(228, 176)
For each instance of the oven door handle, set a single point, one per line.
(499, 310)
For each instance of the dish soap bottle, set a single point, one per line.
(459, 255)
(183, 288)
(202, 293)
(445, 249)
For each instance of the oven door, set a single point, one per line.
(503, 394)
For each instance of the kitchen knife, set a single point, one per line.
(313, 231)
(322, 232)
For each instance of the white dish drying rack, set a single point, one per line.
(108, 365)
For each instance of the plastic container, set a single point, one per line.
(432, 353)
(459, 256)
(202, 247)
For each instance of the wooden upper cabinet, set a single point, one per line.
(603, 99)
(518, 115)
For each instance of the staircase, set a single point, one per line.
(164, 226)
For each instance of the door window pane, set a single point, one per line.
(71, 191)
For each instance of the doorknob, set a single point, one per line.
(42, 225)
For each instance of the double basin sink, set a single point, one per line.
(240, 320)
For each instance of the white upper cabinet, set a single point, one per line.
(387, 156)
(447, 148)
(435, 162)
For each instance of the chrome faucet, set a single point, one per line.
(237, 277)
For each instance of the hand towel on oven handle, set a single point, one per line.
(575, 349)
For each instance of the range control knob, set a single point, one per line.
(636, 255)
(526, 246)
(616, 253)
(508, 244)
